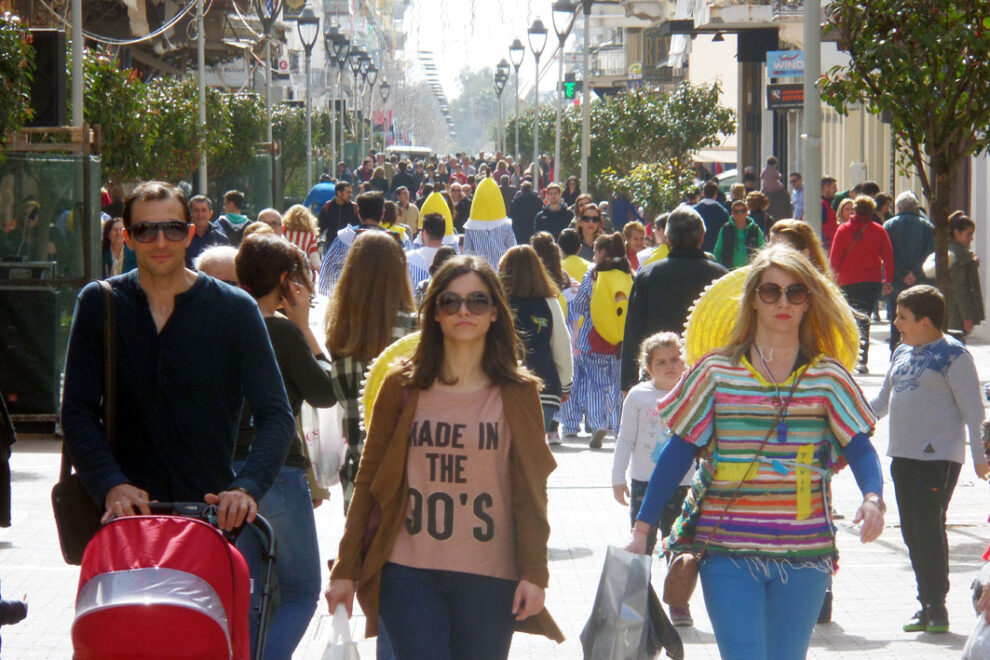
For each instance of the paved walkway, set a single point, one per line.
(874, 590)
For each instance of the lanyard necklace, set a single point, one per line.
(781, 403)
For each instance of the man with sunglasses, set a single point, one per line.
(178, 397)
(737, 240)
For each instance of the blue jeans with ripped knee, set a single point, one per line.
(763, 609)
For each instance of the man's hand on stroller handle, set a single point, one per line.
(234, 508)
(125, 500)
(340, 591)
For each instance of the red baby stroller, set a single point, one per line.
(168, 585)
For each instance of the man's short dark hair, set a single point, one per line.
(685, 228)
(325, 178)
(924, 301)
(710, 189)
(155, 191)
(569, 242)
(503, 180)
(797, 174)
(826, 180)
(341, 187)
(201, 199)
(527, 185)
(235, 197)
(401, 189)
(403, 165)
(434, 225)
(427, 189)
(371, 206)
(871, 188)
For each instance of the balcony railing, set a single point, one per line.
(609, 60)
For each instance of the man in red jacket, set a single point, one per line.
(863, 262)
(829, 223)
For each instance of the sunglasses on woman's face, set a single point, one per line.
(147, 232)
(797, 294)
(449, 303)
(590, 218)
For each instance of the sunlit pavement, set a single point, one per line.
(874, 588)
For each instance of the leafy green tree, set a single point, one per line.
(645, 127)
(655, 186)
(923, 64)
(236, 123)
(16, 71)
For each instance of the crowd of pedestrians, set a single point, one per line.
(539, 312)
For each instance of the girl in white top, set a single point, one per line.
(642, 433)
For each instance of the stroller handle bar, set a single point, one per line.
(208, 513)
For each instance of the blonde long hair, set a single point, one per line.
(373, 288)
(826, 326)
(299, 218)
(800, 236)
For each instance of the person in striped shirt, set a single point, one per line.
(420, 259)
(774, 415)
(299, 228)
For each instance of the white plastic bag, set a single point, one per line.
(341, 646)
(326, 446)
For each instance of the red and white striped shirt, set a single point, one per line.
(307, 242)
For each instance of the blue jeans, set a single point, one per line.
(762, 612)
(288, 506)
(444, 615)
(548, 413)
(668, 516)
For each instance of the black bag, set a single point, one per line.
(77, 516)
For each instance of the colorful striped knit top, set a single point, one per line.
(781, 511)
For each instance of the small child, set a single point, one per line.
(642, 433)
(932, 392)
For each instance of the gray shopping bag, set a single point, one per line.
(627, 621)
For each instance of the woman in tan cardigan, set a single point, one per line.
(455, 469)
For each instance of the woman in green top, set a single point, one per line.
(739, 239)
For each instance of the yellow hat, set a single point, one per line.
(380, 366)
(435, 203)
(713, 316)
(488, 204)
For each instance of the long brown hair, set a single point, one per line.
(373, 288)
(504, 349)
(261, 261)
(523, 275)
(549, 254)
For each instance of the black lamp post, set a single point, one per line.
(500, 78)
(383, 90)
(516, 53)
(341, 49)
(371, 76)
(563, 20)
(330, 35)
(354, 61)
(363, 63)
(268, 12)
(537, 34)
(308, 26)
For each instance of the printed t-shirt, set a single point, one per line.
(781, 512)
(459, 514)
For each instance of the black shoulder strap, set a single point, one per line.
(109, 379)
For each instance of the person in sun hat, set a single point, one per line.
(488, 231)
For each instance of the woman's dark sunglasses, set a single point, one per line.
(590, 218)
(797, 294)
(449, 303)
(146, 232)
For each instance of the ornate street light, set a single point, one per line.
(354, 61)
(563, 21)
(537, 34)
(268, 12)
(500, 79)
(516, 53)
(371, 77)
(308, 26)
(330, 35)
(364, 61)
(341, 49)
(383, 89)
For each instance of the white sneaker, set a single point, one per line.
(553, 438)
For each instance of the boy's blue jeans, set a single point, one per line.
(762, 610)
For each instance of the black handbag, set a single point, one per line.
(77, 516)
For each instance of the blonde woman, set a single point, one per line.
(776, 415)
(299, 228)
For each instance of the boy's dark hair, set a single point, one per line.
(710, 189)
(434, 225)
(924, 301)
(371, 206)
(871, 188)
(235, 197)
(569, 242)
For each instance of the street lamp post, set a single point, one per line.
(354, 60)
(201, 84)
(329, 36)
(308, 26)
(502, 70)
(537, 34)
(268, 11)
(516, 53)
(364, 63)
(341, 49)
(563, 20)
(372, 78)
(586, 96)
(384, 89)
(500, 79)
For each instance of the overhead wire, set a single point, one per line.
(111, 41)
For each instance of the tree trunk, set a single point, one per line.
(939, 215)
